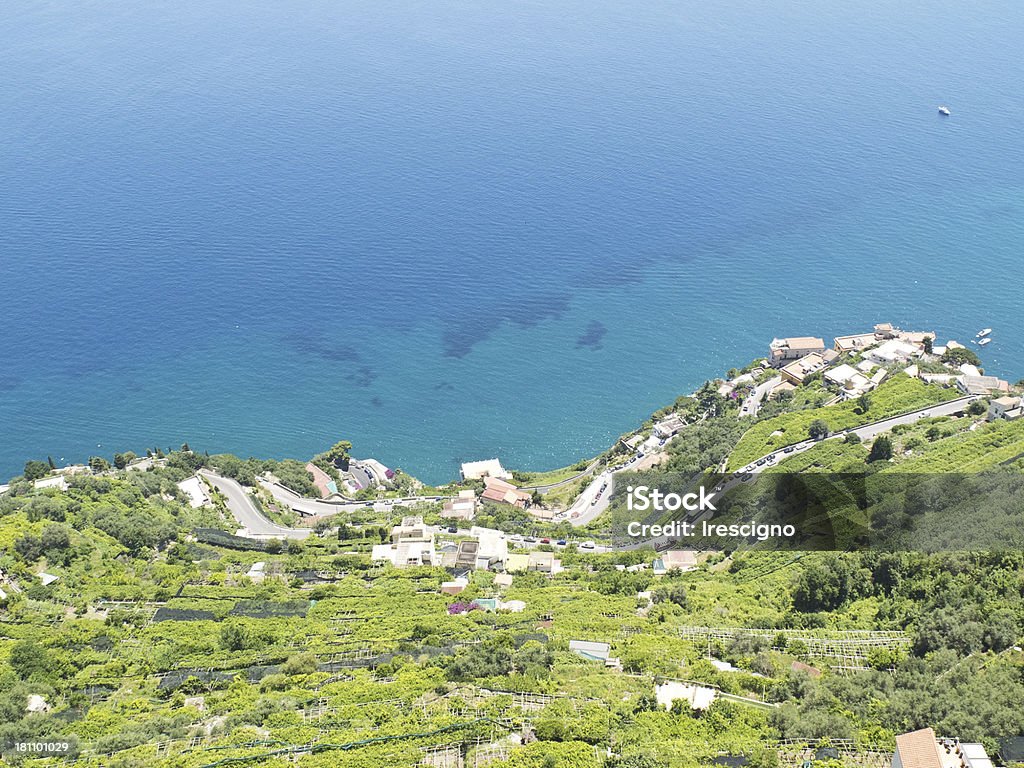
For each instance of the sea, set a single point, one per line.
(452, 230)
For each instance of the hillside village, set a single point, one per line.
(183, 609)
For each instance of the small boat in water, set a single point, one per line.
(986, 340)
(944, 111)
(983, 333)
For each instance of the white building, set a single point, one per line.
(669, 427)
(782, 351)
(257, 572)
(892, 351)
(405, 555)
(696, 696)
(477, 470)
(195, 490)
(412, 543)
(36, 704)
(57, 481)
(1005, 407)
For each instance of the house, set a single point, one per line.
(405, 555)
(517, 563)
(195, 490)
(543, 562)
(1005, 407)
(47, 578)
(782, 351)
(670, 427)
(324, 483)
(477, 470)
(58, 481)
(917, 749)
(257, 572)
(462, 507)
(503, 579)
(633, 442)
(590, 651)
(499, 490)
(798, 371)
(981, 385)
(454, 587)
(847, 378)
(412, 529)
(466, 556)
(886, 331)
(674, 560)
(492, 547)
(921, 749)
(945, 379)
(785, 387)
(892, 351)
(918, 338)
(854, 343)
(412, 543)
(699, 697)
(37, 704)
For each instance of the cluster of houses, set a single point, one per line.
(414, 543)
(799, 358)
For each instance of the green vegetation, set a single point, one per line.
(897, 395)
(159, 643)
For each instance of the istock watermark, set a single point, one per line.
(644, 499)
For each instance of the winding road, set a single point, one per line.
(254, 525)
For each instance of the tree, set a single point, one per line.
(977, 407)
(98, 464)
(34, 470)
(29, 659)
(338, 454)
(818, 430)
(29, 547)
(852, 438)
(928, 345)
(864, 402)
(960, 355)
(881, 449)
(55, 540)
(122, 460)
(232, 637)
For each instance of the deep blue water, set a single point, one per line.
(454, 230)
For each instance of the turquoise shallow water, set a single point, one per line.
(449, 232)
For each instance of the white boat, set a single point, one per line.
(983, 333)
(944, 111)
(984, 341)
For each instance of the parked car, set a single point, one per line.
(453, 529)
